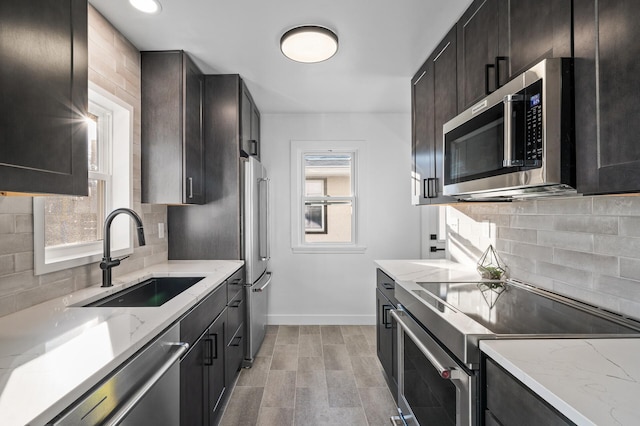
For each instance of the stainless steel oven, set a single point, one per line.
(518, 141)
(433, 388)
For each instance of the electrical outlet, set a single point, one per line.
(160, 230)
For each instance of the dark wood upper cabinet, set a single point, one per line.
(434, 102)
(43, 96)
(499, 39)
(606, 64)
(477, 51)
(172, 132)
(249, 124)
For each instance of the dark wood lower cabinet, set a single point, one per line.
(509, 402)
(202, 377)
(386, 331)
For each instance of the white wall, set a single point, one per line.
(339, 288)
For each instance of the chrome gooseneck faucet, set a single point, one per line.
(108, 263)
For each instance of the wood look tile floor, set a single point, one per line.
(313, 375)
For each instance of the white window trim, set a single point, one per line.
(298, 150)
(120, 195)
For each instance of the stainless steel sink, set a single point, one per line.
(152, 292)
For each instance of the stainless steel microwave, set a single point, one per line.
(518, 142)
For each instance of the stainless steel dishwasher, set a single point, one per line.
(143, 391)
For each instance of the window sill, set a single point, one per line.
(329, 249)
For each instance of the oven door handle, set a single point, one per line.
(445, 373)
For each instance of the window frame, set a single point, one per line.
(298, 197)
(118, 178)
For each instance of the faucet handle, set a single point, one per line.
(108, 263)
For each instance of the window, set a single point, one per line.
(68, 230)
(325, 196)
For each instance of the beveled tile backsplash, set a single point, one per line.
(587, 248)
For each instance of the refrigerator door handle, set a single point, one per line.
(264, 220)
(265, 285)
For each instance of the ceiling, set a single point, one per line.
(382, 44)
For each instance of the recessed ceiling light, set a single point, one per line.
(147, 6)
(309, 43)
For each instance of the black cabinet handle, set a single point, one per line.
(215, 345)
(434, 249)
(254, 146)
(431, 188)
(237, 281)
(498, 60)
(487, 67)
(235, 303)
(388, 286)
(209, 352)
(238, 338)
(385, 315)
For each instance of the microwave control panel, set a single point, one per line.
(533, 125)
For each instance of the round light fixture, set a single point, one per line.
(309, 43)
(147, 6)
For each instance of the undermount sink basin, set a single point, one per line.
(152, 292)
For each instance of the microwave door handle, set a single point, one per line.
(508, 160)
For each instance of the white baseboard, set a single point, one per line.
(321, 319)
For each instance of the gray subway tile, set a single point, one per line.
(591, 262)
(23, 261)
(616, 205)
(518, 263)
(532, 222)
(16, 243)
(33, 296)
(7, 224)
(531, 251)
(587, 224)
(565, 274)
(521, 235)
(8, 305)
(566, 240)
(571, 205)
(18, 282)
(24, 223)
(620, 287)
(7, 264)
(629, 268)
(16, 205)
(629, 226)
(617, 246)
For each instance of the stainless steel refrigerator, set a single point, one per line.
(256, 253)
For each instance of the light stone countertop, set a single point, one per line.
(590, 381)
(423, 270)
(54, 352)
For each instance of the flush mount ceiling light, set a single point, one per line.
(309, 44)
(147, 6)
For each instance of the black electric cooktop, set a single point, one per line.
(509, 309)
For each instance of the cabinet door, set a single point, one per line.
(535, 30)
(234, 354)
(193, 388)
(422, 132)
(384, 339)
(477, 52)
(255, 129)
(43, 96)
(247, 144)
(215, 374)
(606, 87)
(445, 106)
(193, 136)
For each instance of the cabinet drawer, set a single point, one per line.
(235, 315)
(510, 402)
(235, 283)
(200, 317)
(387, 286)
(234, 354)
